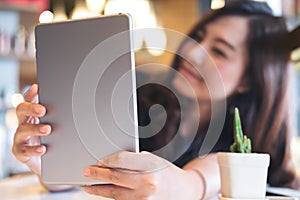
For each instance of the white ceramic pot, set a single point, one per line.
(243, 175)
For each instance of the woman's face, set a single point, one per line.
(222, 53)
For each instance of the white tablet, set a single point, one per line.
(85, 72)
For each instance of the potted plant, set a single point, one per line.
(243, 173)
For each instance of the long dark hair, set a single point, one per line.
(264, 107)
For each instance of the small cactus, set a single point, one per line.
(241, 144)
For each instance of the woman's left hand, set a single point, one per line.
(141, 176)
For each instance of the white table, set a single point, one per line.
(27, 187)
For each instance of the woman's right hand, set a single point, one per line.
(27, 147)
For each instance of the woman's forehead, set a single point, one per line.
(233, 29)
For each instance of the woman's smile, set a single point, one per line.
(189, 72)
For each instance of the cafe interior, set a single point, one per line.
(18, 19)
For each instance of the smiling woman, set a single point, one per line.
(246, 43)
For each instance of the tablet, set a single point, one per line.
(85, 72)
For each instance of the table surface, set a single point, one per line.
(27, 187)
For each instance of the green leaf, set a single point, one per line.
(241, 144)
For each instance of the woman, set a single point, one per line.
(243, 41)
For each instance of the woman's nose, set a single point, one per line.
(197, 55)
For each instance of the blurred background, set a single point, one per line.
(17, 47)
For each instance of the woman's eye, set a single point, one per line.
(219, 52)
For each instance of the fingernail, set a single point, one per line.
(34, 86)
(40, 149)
(87, 172)
(44, 129)
(39, 109)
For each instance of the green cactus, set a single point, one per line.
(241, 144)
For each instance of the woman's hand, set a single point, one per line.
(26, 146)
(142, 176)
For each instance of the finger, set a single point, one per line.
(24, 152)
(32, 94)
(111, 191)
(143, 161)
(26, 110)
(25, 130)
(125, 179)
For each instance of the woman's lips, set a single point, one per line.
(186, 68)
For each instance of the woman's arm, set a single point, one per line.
(208, 171)
(144, 176)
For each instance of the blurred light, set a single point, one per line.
(138, 39)
(16, 99)
(276, 6)
(78, 14)
(143, 18)
(46, 17)
(117, 6)
(95, 6)
(216, 4)
(295, 56)
(138, 9)
(156, 41)
(11, 119)
(147, 21)
(81, 11)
